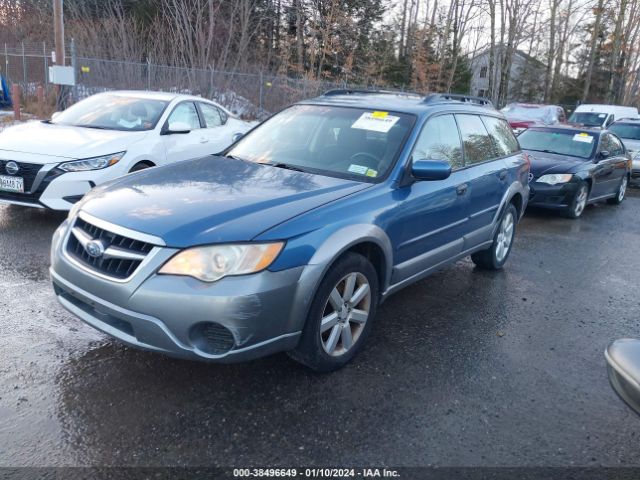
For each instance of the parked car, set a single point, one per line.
(593, 115)
(524, 115)
(573, 167)
(628, 130)
(623, 366)
(290, 239)
(54, 163)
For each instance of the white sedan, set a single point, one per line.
(54, 163)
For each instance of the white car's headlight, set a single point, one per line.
(555, 178)
(211, 263)
(94, 163)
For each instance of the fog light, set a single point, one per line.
(211, 338)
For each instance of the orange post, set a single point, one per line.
(15, 98)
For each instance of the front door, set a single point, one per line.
(430, 221)
(610, 167)
(185, 146)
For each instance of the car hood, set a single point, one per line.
(546, 163)
(212, 200)
(40, 142)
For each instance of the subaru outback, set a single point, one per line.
(291, 238)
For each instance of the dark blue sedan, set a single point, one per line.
(290, 239)
(572, 167)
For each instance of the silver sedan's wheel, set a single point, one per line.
(345, 314)
(623, 189)
(505, 236)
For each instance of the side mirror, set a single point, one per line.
(603, 154)
(237, 136)
(55, 115)
(623, 366)
(430, 169)
(178, 128)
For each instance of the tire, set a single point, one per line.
(622, 190)
(496, 256)
(140, 166)
(579, 202)
(324, 345)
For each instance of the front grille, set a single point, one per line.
(119, 268)
(28, 171)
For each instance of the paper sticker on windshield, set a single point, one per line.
(602, 115)
(358, 169)
(582, 137)
(372, 173)
(375, 122)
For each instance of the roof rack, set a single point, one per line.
(351, 91)
(455, 97)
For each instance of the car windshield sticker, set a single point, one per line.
(372, 173)
(358, 169)
(582, 137)
(602, 115)
(375, 122)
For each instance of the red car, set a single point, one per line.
(524, 115)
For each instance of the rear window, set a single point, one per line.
(570, 142)
(630, 131)
(505, 142)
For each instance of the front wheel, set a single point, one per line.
(340, 316)
(579, 201)
(496, 256)
(622, 190)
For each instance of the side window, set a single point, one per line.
(616, 147)
(185, 113)
(505, 142)
(212, 116)
(562, 118)
(439, 140)
(477, 144)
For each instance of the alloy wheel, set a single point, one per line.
(505, 237)
(581, 201)
(623, 189)
(345, 314)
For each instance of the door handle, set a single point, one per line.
(204, 140)
(462, 189)
(502, 175)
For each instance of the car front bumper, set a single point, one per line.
(552, 196)
(635, 169)
(252, 315)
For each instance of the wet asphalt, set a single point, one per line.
(465, 368)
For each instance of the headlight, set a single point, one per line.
(555, 178)
(214, 262)
(94, 163)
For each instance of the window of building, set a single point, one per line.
(483, 72)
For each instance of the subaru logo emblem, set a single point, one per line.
(94, 248)
(11, 168)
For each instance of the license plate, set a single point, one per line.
(12, 184)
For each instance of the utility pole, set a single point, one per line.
(58, 29)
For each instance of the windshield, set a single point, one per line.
(626, 130)
(592, 119)
(569, 142)
(335, 141)
(547, 115)
(113, 112)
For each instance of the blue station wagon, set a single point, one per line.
(291, 238)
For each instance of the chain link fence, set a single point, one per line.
(251, 95)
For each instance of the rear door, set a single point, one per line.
(487, 170)
(430, 222)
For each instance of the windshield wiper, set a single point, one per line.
(96, 127)
(286, 166)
